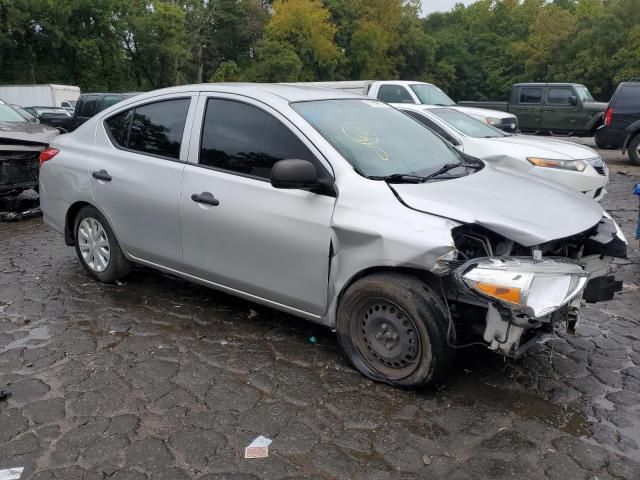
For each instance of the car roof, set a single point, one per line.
(289, 93)
(547, 84)
(402, 82)
(417, 107)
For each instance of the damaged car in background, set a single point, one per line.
(334, 208)
(21, 143)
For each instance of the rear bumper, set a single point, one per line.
(609, 137)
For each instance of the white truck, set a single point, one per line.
(407, 91)
(44, 95)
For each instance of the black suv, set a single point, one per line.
(91, 103)
(621, 127)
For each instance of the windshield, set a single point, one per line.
(377, 139)
(431, 95)
(8, 114)
(584, 93)
(469, 126)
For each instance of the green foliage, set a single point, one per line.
(473, 52)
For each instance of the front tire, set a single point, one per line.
(634, 150)
(393, 329)
(97, 247)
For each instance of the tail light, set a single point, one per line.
(47, 155)
(608, 117)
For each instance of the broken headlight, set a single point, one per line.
(533, 288)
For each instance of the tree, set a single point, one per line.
(305, 25)
(276, 61)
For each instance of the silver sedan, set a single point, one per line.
(333, 207)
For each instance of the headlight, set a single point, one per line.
(493, 121)
(576, 165)
(533, 288)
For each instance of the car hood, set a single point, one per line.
(483, 112)
(27, 132)
(546, 148)
(522, 209)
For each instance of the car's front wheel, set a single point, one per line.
(97, 247)
(393, 328)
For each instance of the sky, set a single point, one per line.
(429, 6)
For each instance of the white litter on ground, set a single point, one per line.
(259, 448)
(11, 474)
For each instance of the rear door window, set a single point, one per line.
(108, 100)
(629, 97)
(531, 95)
(560, 95)
(155, 128)
(89, 106)
(244, 139)
(394, 94)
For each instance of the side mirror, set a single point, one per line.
(573, 100)
(294, 174)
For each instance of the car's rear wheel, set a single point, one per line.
(393, 328)
(97, 247)
(634, 149)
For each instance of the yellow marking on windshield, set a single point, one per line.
(365, 136)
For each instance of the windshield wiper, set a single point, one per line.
(398, 178)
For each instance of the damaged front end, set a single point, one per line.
(525, 291)
(18, 167)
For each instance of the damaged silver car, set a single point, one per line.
(21, 142)
(335, 208)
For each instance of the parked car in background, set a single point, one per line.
(335, 208)
(69, 105)
(49, 95)
(419, 93)
(621, 128)
(575, 166)
(21, 143)
(56, 117)
(551, 108)
(26, 114)
(91, 103)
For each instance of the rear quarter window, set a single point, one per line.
(629, 97)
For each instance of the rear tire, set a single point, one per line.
(393, 329)
(634, 149)
(97, 247)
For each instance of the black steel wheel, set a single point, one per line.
(393, 328)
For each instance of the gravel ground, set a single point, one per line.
(157, 378)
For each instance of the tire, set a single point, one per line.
(106, 263)
(634, 149)
(393, 329)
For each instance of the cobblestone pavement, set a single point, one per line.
(157, 378)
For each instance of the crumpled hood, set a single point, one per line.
(525, 210)
(548, 147)
(27, 132)
(483, 112)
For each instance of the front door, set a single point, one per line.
(560, 114)
(240, 232)
(136, 174)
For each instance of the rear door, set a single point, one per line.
(528, 107)
(253, 238)
(626, 107)
(136, 170)
(559, 114)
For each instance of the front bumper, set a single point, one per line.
(514, 321)
(509, 125)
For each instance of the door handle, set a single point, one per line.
(101, 175)
(205, 197)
